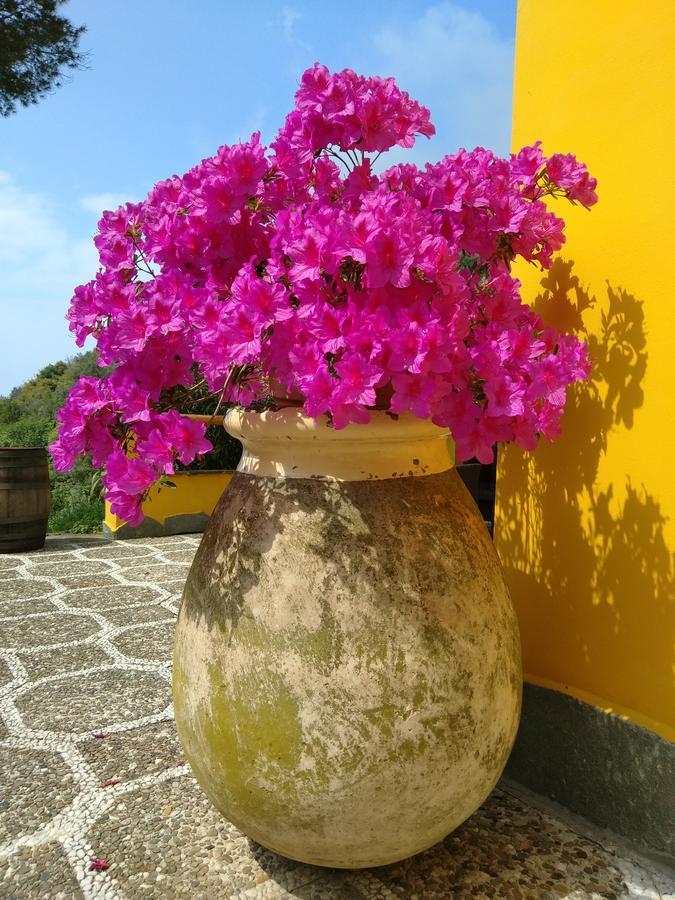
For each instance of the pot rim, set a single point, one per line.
(289, 443)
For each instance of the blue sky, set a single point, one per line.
(169, 82)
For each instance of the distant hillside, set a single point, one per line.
(27, 416)
(28, 419)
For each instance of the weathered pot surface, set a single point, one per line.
(347, 673)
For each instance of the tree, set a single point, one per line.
(42, 395)
(37, 45)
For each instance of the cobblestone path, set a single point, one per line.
(96, 801)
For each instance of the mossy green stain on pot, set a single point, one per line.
(256, 728)
(347, 668)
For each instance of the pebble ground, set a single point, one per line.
(97, 802)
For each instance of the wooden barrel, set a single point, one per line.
(24, 498)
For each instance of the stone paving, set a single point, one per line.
(96, 801)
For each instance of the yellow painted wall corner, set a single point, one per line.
(586, 527)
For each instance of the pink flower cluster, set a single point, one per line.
(300, 271)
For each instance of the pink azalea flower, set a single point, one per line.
(567, 173)
(344, 413)
(64, 454)
(478, 438)
(98, 865)
(129, 474)
(387, 260)
(504, 396)
(100, 442)
(357, 379)
(133, 329)
(548, 382)
(327, 327)
(318, 389)
(165, 315)
(158, 450)
(128, 396)
(241, 336)
(306, 255)
(264, 302)
(185, 436)
(438, 259)
(411, 392)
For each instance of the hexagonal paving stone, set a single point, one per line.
(8, 575)
(136, 615)
(23, 589)
(42, 871)
(91, 702)
(157, 572)
(176, 587)
(109, 596)
(49, 628)
(42, 786)
(45, 872)
(56, 568)
(175, 540)
(180, 556)
(133, 754)
(63, 659)
(116, 552)
(5, 673)
(59, 544)
(137, 560)
(147, 642)
(22, 607)
(102, 580)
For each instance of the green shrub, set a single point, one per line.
(27, 432)
(80, 518)
(28, 419)
(77, 504)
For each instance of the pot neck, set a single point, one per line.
(288, 443)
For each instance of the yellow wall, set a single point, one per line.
(195, 492)
(586, 527)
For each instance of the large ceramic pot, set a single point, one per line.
(347, 673)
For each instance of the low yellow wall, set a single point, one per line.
(586, 527)
(195, 492)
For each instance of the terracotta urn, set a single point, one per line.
(347, 673)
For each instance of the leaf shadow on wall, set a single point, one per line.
(591, 564)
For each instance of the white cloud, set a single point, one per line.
(41, 262)
(289, 17)
(453, 60)
(97, 203)
(298, 54)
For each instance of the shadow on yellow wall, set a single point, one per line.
(590, 570)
